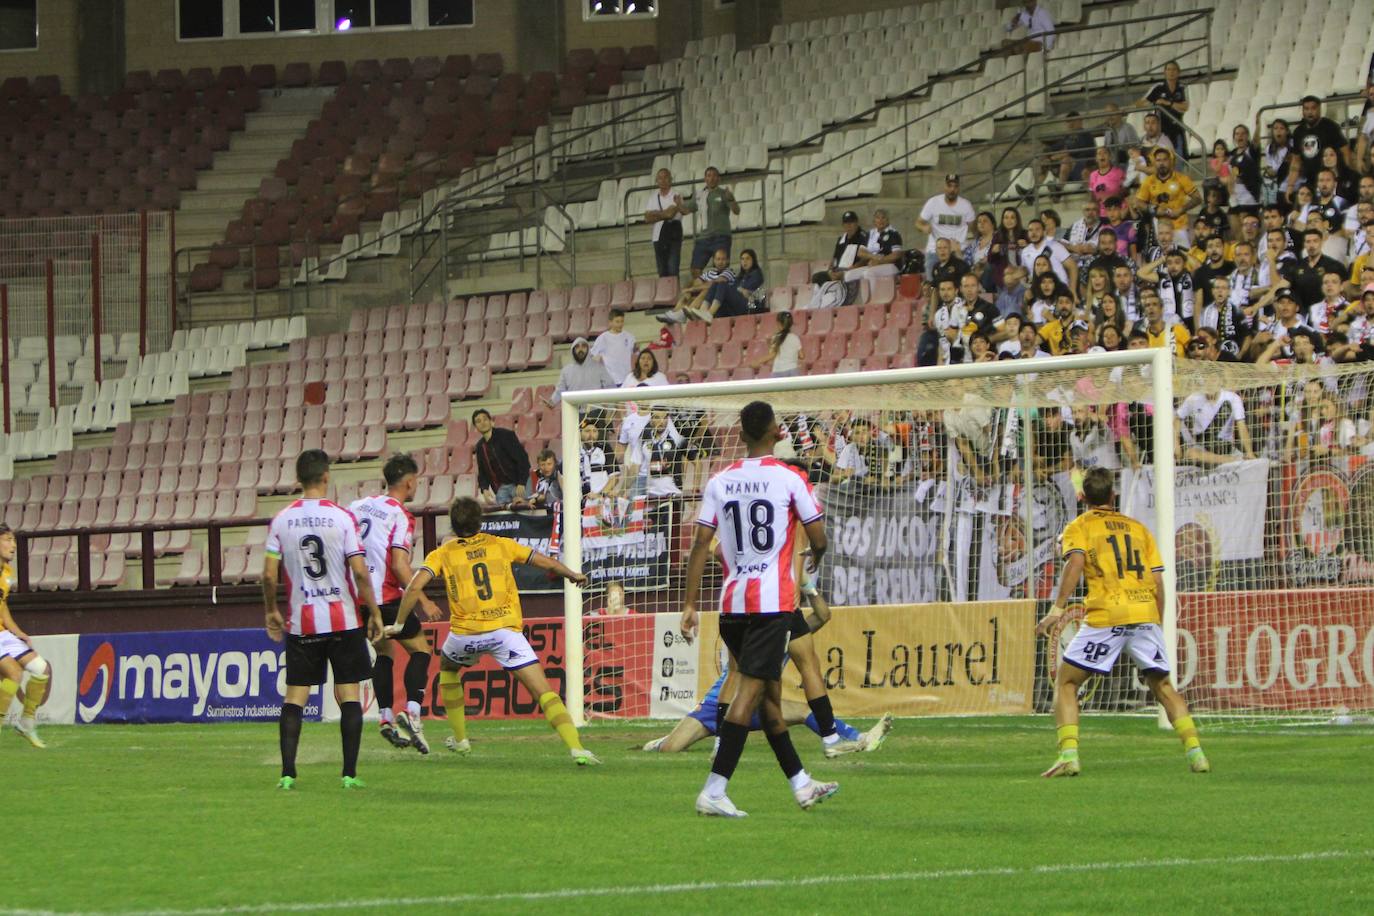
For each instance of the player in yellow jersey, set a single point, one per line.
(1123, 609)
(17, 656)
(485, 619)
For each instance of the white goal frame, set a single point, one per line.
(1160, 359)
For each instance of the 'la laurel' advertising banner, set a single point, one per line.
(1291, 650)
(181, 676)
(1218, 509)
(933, 659)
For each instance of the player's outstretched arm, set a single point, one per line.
(275, 625)
(1068, 581)
(696, 568)
(362, 583)
(548, 563)
(414, 592)
(400, 565)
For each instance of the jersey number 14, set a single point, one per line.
(1127, 562)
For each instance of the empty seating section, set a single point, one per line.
(138, 148)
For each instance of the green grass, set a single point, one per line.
(950, 815)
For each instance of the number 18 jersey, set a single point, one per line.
(480, 582)
(754, 506)
(1121, 559)
(314, 539)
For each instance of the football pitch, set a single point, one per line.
(949, 815)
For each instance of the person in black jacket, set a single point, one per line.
(503, 467)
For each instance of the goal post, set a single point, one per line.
(883, 389)
(946, 489)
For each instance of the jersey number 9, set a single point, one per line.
(481, 578)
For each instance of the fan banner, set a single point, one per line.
(883, 550)
(1219, 509)
(627, 540)
(933, 659)
(536, 531)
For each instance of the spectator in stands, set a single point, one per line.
(614, 347)
(691, 303)
(1055, 331)
(1278, 258)
(1328, 197)
(598, 471)
(1107, 257)
(1274, 218)
(1276, 161)
(1039, 242)
(1305, 275)
(1119, 135)
(1011, 293)
(862, 461)
(946, 266)
(646, 373)
(582, 374)
(1028, 343)
(1158, 331)
(1175, 286)
(880, 253)
(1106, 180)
(1097, 288)
(1312, 135)
(1122, 228)
(784, 350)
(946, 216)
(1169, 194)
(1245, 282)
(1171, 102)
(1153, 139)
(663, 211)
(718, 204)
(503, 467)
(1125, 292)
(654, 453)
(738, 296)
(1082, 240)
(845, 254)
(1053, 224)
(1044, 293)
(548, 488)
(942, 341)
(1007, 243)
(1304, 199)
(979, 249)
(1325, 313)
(1039, 30)
(1243, 182)
(1069, 157)
(1212, 428)
(1213, 266)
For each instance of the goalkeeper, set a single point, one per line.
(704, 721)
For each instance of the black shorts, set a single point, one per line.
(345, 652)
(758, 642)
(800, 627)
(412, 627)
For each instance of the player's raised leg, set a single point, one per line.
(35, 689)
(1184, 726)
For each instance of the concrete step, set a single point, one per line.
(252, 160)
(267, 141)
(245, 180)
(202, 200)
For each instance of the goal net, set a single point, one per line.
(945, 492)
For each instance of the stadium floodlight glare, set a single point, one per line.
(343, 25)
(1013, 387)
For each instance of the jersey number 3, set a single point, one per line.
(313, 549)
(1128, 563)
(760, 514)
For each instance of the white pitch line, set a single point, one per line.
(646, 890)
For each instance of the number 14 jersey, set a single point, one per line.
(1121, 561)
(754, 506)
(480, 582)
(313, 539)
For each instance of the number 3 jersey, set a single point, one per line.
(477, 575)
(754, 506)
(314, 539)
(1121, 559)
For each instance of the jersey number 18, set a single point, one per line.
(760, 515)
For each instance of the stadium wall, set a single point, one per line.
(57, 51)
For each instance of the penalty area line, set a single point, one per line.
(649, 890)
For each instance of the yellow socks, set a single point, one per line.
(8, 689)
(1068, 739)
(34, 694)
(559, 720)
(451, 691)
(1187, 732)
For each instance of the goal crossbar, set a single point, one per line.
(721, 396)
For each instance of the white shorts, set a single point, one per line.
(12, 646)
(1097, 648)
(510, 648)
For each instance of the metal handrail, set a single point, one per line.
(1181, 20)
(1297, 103)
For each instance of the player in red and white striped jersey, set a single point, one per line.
(753, 507)
(313, 544)
(388, 535)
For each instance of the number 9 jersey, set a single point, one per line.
(754, 506)
(314, 539)
(480, 583)
(1121, 559)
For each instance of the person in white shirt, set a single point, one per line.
(663, 210)
(1212, 428)
(946, 216)
(784, 350)
(614, 347)
(1039, 26)
(646, 372)
(1061, 261)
